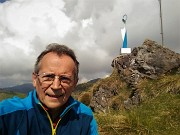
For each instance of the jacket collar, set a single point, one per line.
(71, 103)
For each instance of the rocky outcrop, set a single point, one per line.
(149, 60)
(101, 98)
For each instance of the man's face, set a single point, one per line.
(55, 81)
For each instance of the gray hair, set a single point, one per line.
(59, 50)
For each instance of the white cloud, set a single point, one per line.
(86, 22)
(22, 21)
(92, 28)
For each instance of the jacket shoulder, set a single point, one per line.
(84, 110)
(81, 108)
(15, 104)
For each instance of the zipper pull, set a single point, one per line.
(54, 132)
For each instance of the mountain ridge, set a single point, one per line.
(27, 87)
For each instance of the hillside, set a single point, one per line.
(157, 114)
(6, 94)
(142, 94)
(83, 87)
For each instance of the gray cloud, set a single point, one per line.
(91, 27)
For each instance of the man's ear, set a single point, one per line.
(34, 77)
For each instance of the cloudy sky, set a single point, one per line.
(91, 27)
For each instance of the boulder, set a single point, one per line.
(149, 60)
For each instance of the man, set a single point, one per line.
(49, 109)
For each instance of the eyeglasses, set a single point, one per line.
(48, 79)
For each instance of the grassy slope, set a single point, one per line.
(159, 113)
(5, 95)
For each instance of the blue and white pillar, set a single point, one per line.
(124, 48)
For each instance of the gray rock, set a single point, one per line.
(149, 60)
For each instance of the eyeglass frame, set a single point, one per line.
(53, 76)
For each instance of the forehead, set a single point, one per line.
(55, 63)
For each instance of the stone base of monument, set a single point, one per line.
(125, 50)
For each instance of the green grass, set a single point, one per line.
(5, 95)
(158, 114)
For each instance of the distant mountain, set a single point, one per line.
(24, 88)
(85, 86)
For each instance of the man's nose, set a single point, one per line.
(56, 83)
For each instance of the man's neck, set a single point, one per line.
(55, 113)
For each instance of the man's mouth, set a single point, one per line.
(55, 96)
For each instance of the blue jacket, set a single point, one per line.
(27, 117)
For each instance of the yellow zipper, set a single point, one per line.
(54, 130)
(51, 123)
